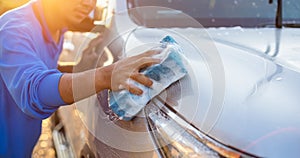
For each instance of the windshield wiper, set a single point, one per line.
(284, 24)
(278, 13)
(292, 25)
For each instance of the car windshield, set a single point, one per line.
(245, 13)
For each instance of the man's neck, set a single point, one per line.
(53, 21)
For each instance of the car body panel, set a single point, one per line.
(256, 87)
(261, 103)
(265, 117)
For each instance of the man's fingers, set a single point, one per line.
(129, 68)
(146, 62)
(133, 89)
(148, 53)
(142, 79)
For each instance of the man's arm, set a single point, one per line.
(77, 86)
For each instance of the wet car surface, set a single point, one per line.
(240, 98)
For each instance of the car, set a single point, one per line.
(239, 99)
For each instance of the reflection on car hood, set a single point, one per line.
(278, 43)
(261, 107)
(260, 110)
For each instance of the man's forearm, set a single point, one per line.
(77, 86)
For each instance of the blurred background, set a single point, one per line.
(45, 146)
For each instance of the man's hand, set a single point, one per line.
(128, 68)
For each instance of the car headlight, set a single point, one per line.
(174, 137)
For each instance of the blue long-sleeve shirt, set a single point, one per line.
(28, 78)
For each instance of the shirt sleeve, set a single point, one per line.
(33, 86)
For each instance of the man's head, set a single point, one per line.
(77, 10)
(70, 12)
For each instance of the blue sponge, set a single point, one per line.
(126, 105)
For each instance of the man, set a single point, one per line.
(31, 87)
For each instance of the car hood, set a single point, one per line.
(243, 85)
(261, 105)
